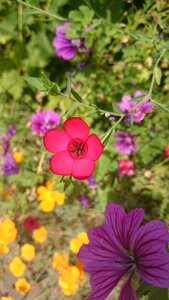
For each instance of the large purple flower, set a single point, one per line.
(65, 47)
(122, 246)
(10, 166)
(41, 122)
(136, 115)
(125, 142)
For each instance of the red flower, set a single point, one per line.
(125, 167)
(166, 151)
(31, 223)
(75, 150)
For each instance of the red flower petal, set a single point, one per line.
(77, 128)
(83, 168)
(61, 163)
(56, 140)
(95, 147)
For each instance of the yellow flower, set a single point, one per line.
(59, 197)
(18, 157)
(60, 261)
(40, 235)
(42, 193)
(8, 231)
(22, 286)
(76, 243)
(17, 267)
(50, 183)
(7, 298)
(3, 247)
(69, 280)
(28, 252)
(47, 205)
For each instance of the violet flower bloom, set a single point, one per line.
(92, 182)
(138, 114)
(125, 142)
(10, 166)
(66, 48)
(11, 131)
(85, 201)
(125, 167)
(43, 121)
(123, 247)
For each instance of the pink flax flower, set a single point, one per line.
(75, 150)
(125, 167)
(166, 151)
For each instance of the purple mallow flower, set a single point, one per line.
(41, 122)
(5, 139)
(85, 201)
(66, 48)
(92, 182)
(123, 247)
(125, 142)
(10, 166)
(137, 114)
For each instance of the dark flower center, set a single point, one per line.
(77, 149)
(128, 263)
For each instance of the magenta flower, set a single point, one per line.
(42, 121)
(10, 166)
(66, 48)
(85, 201)
(123, 247)
(92, 183)
(125, 167)
(31, 223)
(125, 142)
(138, 114)
(75, 150)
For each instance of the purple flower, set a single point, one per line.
(41, 122)
(10, 166)
(66, 48)
(85, 201)
(122, 247)
(125, 142)
(137, 114)
(92, 183)
(11, 131)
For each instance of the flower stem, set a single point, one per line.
(42, 11)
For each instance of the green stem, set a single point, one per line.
(20, 24)
(42, 11)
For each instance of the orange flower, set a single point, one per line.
(18, 157)
(76, 243)
(69, 280)
(8, 231)
(40, 235)
(28, 252)
(22, 286)
(17, 267)
(60, 261)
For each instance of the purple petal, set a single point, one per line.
(127, 291)
(123, 226)
(152, 259)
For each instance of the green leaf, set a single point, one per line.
(77, 96)
(35, 82)
(157, 75)
(71, 109)
(161, 106)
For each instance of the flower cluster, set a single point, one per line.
(125, 167)
(42, 121)
(8, 233)
(49, 198)
(135, 111)
(71, 277)
(67, 48)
